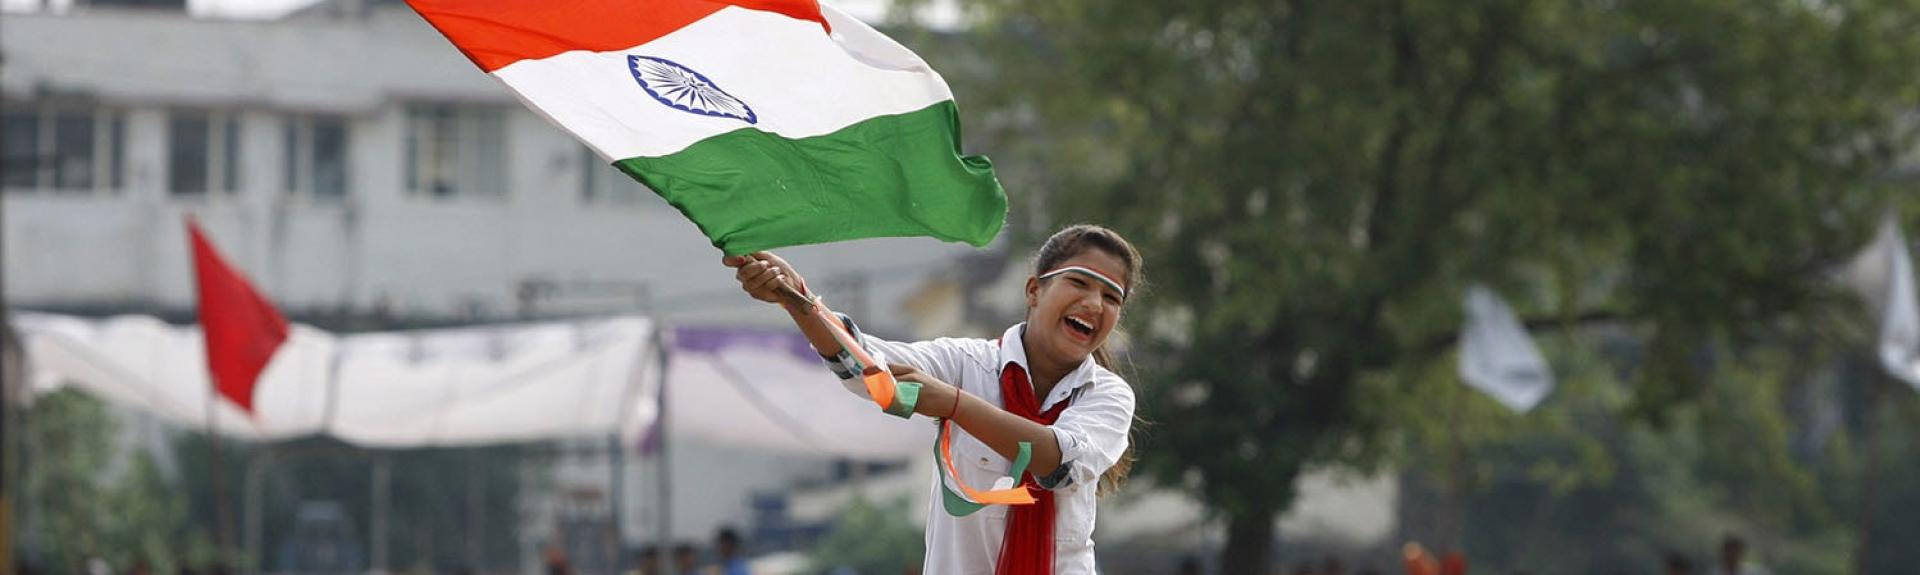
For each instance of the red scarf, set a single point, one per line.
(1028, 546)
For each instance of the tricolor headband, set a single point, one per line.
(1089, 272)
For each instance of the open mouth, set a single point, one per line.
(1081, 329)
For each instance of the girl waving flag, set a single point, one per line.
(1040, 417)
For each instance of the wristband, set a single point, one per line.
(951, 413)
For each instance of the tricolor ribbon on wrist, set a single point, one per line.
(961, 499)
(895, 397)
(898, 398)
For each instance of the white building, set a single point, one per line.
(350, 164)
(363, 173)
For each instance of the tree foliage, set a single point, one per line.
(1315, 183)
(82, 508)
(870, 538)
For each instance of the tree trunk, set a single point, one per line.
(1249, 543)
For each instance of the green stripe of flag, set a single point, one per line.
(896, 175)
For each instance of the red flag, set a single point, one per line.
(242, 328)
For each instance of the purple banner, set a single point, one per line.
(711, 340)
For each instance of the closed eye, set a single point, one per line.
(1105, 293)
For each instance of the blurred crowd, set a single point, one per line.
(727, 557)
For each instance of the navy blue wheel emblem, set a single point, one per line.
(681, 88)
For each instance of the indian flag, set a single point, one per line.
(769, 123)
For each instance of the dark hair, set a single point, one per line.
(1075, 240)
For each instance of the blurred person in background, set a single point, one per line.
(1189, 565)
(1418, 561)
(556, 561)
(686, 560)
(647, 561)
(726, 544)
(1733, 558)
(1678, 564)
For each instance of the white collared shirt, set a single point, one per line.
(1092, 434)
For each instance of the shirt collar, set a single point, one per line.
(1013, 350)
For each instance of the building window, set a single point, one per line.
(316, 156)
(62, 148)
(203, 153)
(456, 151)
(601, 183)
(174, 5)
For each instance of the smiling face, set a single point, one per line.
(1071, 314)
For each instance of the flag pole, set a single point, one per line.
(382, 481)
(241, 330)
(616, 500)
(220, 524)
(662, 468)
(1870, 479)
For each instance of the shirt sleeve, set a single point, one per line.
(1092, 434)
(940, 358)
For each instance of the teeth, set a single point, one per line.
(1081, 324)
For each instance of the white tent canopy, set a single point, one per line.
(768, 390)
(756, 389)
(442, 387)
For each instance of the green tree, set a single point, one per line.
(1572, 487)
(82, 510)
(145, 517)
(71, 438)
(1314, 183)
(871, 539)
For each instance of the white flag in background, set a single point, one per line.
(1883, 275)
(1497, 356)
